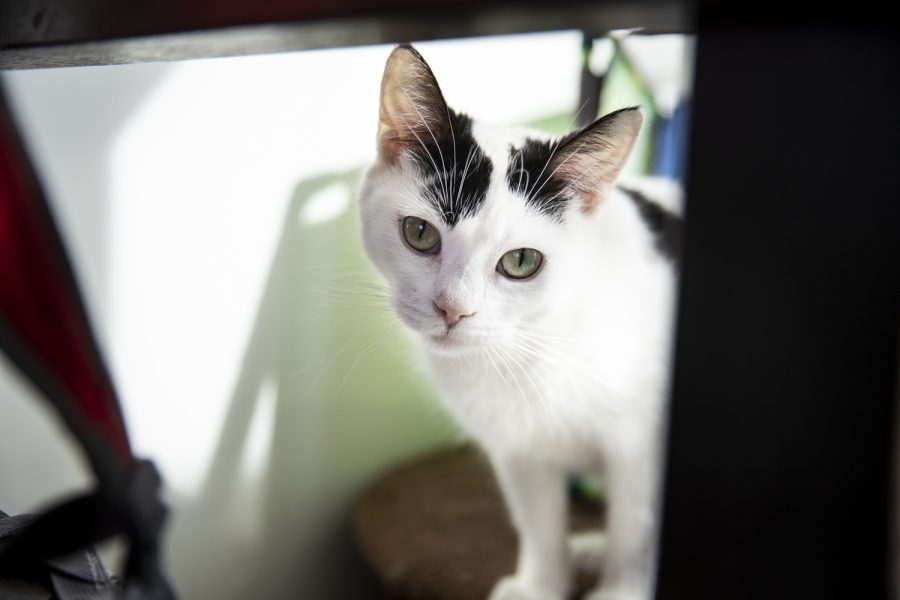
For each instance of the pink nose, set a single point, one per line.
(452, 314)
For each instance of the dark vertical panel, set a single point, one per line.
(777, 482)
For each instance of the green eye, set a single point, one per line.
(521, 263)
(421, 235)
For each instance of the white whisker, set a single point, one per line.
(366, 352)
(558, 167)
(436, 144)
(528, 196)
(489, 355)
(453, 138)
(463, 178)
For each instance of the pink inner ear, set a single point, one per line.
(592, 161)
(412, 109)
(589, 176)
(390, 147)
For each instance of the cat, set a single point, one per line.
(541, 294)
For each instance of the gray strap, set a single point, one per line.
(76, 576)
(81, 576)
(13, 525)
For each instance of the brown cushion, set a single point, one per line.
(437, 529)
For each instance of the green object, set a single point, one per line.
(623, 88)
(559, 124)
(586, 490)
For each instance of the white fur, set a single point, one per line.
(560, 374)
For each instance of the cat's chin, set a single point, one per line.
(444, 343)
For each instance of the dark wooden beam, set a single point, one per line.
(38, 33)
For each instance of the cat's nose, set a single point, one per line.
(452, 314)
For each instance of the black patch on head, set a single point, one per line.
(535, 169)
(667, 228)
(457, 171)
(529, 173)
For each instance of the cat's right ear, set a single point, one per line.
(413, 112)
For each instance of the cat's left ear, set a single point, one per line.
(590, 162)
(413, 111)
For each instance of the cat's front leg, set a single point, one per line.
(535, 497)
(629, 564)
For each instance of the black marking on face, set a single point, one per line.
(456, 170)
(667, 228)
(529, 173)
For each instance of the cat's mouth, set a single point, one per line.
(436, 337)
(448, 341)
(445, 339)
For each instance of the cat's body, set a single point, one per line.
(555, 369)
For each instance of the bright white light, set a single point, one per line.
(509, 79)
(258, 442)
(663, 63)
(601, 55)
(326, 204)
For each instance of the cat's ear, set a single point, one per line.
(413, 111)
(592, 159)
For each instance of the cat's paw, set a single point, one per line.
(611, 595)
(617, 593)
(587, 550)
(513, 588)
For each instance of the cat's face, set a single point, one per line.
(478, 231)
(449, 283)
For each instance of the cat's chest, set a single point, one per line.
(500, 390)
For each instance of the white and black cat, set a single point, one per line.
(541, 294)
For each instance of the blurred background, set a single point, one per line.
(208, 206)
